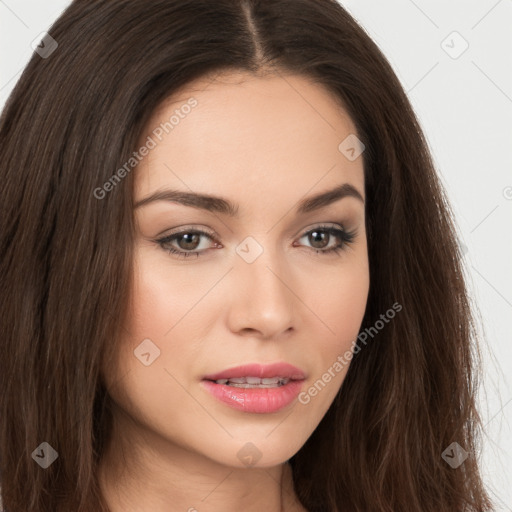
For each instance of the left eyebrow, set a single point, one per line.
(330, 196)
(226, 207)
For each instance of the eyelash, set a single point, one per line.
(347, 238)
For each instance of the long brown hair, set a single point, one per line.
(74, 118)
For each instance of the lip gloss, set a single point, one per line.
(255, 387)
(264, 400)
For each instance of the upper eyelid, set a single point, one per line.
(326, 226)
(214, 235)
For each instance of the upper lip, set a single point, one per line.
(262, 371)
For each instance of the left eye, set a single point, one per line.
(188, 241)
(320, 236)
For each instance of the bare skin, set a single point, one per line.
(264, 144)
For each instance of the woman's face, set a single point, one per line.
(255, 287)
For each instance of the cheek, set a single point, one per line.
(341, 304)
(156, 306)
(163, 296)
(159, 333)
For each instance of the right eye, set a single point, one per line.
(188, 241)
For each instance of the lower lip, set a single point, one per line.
(258, 400)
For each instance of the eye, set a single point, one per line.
(188, 242)
(321, 236)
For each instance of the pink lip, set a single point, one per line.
(262, 371)
(254, 400)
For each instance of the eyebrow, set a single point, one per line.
(226, 207)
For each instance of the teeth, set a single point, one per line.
(254, 382)
(238, 380)
(271, 380)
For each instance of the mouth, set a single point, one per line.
(256, 388)
(254, 382)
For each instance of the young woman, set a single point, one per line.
(230, 275)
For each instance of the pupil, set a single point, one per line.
(191, 240)
(317, 237)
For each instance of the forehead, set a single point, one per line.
(275, 137)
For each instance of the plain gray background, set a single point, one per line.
(463, 98)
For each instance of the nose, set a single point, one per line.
(261, 298)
